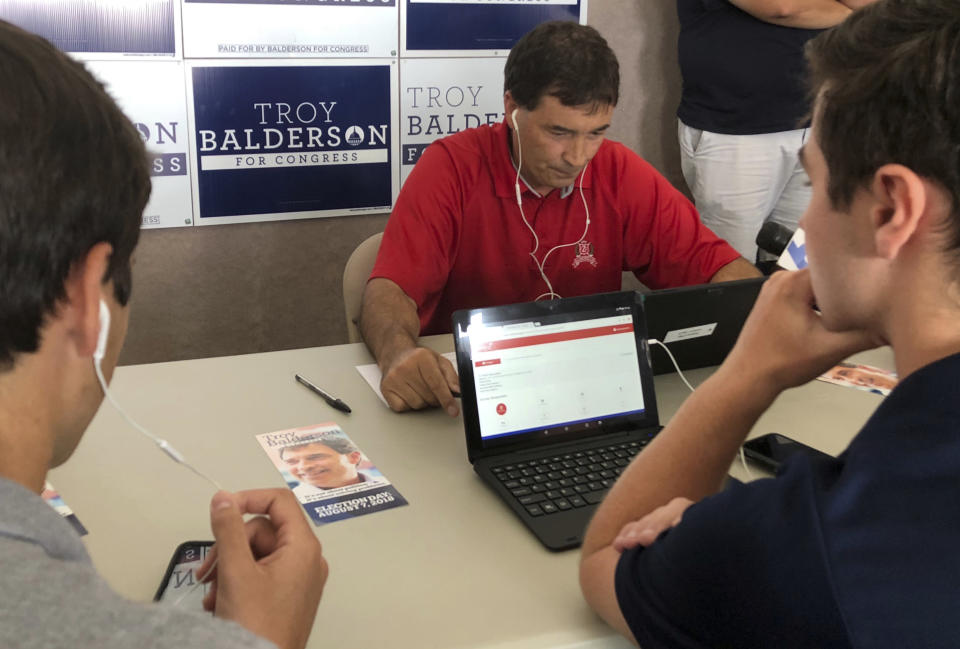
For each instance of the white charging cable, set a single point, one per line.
(654, 341)
(550, 294)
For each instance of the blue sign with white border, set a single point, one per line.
(275, 141)
(94, 29)
(477, 27)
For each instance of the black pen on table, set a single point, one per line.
(326, 396)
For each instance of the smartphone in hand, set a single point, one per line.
(180, 581)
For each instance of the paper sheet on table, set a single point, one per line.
(372, 375)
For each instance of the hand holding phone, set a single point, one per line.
(180, 583)
(270, 569)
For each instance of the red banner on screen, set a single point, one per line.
(492, 361)
(560, 336)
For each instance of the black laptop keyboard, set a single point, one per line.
(567, 480)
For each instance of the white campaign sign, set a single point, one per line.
(439, 97)
(214, 29)
(153, 95)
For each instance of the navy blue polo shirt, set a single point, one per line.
(858, 551)
(741, 75)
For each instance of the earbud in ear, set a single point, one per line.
(513, 118)
(101, 349)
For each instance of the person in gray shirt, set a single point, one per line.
(74, 180)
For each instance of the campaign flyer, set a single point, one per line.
(54, 500)
(328, 473)
(861, 377)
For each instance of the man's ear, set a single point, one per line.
(509, 105)
(83, 294)
(900, 199)
(355, 457)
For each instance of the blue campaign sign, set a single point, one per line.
(80, 26)
(480, 25)
(290, 141)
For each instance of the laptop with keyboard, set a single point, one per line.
(557, 398)
(699, 324)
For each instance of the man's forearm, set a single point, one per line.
(739, 268)
(689, 458)
(802, 14)
(857, 4)
(388, 322)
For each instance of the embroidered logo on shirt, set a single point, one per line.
(584, 254)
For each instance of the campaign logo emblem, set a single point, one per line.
(584, 254)
(292, 140)
(354, 136)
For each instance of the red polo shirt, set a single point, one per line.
(456, 239)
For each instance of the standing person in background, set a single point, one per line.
(742, 108)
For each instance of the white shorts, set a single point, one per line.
(739, 182)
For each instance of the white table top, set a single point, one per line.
(454, 568)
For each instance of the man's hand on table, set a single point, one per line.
(418, 377)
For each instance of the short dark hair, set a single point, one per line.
(886, 83)
(73, 172)
(341, 445)
(566, 60)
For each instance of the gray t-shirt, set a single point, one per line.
(51, 596)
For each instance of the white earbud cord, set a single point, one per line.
(654, 341)
(172, 453)
(550, 294)
(163, 444)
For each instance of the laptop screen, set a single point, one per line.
(563, 368)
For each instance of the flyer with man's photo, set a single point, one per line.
(328, 473)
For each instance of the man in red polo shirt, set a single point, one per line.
(537, 207)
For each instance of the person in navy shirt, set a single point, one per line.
(860, 550)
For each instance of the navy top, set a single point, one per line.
(859, 551)
(741, 75)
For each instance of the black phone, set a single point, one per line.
(772, 450)
(179, 581)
